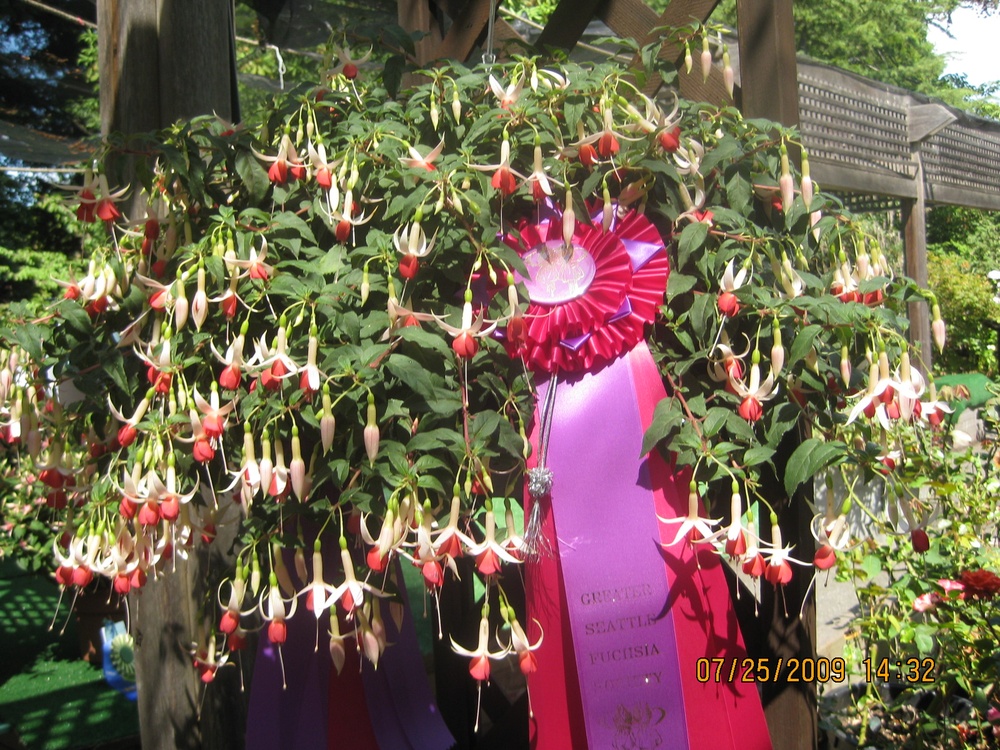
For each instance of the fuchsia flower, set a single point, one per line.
(503, 176)
(411, 242)
(489, 553)
(729, 304)
(506, 97)
(449, 541)
(693, 527)
(479, 667)
(416, 161)
(465, 344)
(778, 559)
(756, 392)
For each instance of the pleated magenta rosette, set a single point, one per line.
(591, 304)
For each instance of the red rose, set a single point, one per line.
(980, 584)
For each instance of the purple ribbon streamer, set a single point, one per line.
(402, 708)
(400, 702)
(616, 586)
(296, 717)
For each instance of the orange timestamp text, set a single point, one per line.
(793, 669)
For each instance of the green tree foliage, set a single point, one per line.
(967, 303)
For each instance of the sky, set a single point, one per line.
(973, 50)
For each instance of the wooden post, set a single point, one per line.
(161, 60)
(768, 75)
(923, 121)
(915, 261)
(770, 89)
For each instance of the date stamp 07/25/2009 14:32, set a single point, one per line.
(746, 669)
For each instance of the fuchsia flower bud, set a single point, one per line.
(728, 77)
(937, 327)
(297, 468)
(807, 184)
(785, 182)
(706, 59)
(327, 422)
(371, 433)
(199, 305)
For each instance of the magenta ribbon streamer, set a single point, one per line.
(400, 704)
(615, 588)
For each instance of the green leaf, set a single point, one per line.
(392, 75)
(871, 565)
(692, 237)
(667, 417)
(574, 108)
(680, 283)
(714, 420)
(758, 455)
(253, 175)
(803, 343)
(289, 220)
(924, 639)
(810, 458)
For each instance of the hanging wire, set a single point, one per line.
(281, 65)
(489, 56)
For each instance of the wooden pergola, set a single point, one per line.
(864, 138)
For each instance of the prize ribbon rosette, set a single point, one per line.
(624, 616)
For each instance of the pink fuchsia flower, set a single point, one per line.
(213, 419)
(490, 554)
(479, 666)
(692, 526)
(728, 303)
(756, 392)
(832, 534)
(506, 97)
(349, 65)
(882, 388)
(285, 165)
(465, 344)
(606, 139)
(449, 541)
(538, 180)
(416, 161)
(933, 410)
(520, 645)
(411, 242)
(504, 178)
(254, 266)
(322, 168)
(779, 557)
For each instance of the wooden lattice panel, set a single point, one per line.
(845, 124)
(966, 157)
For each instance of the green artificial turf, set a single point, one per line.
(51, 698)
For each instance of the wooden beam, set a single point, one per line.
(959, 196)
(848, 177)
(466, 28)
(631, 19)
(768, 71)
(567, 23)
